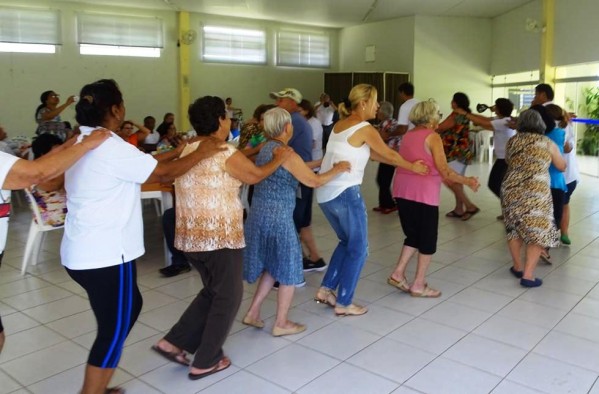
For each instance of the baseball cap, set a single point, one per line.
(290, 93)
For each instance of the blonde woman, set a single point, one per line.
(353, 139)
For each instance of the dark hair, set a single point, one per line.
(205, 114)
(558, 114)
(462, 101)
(43, 98)
(96, 102)
(162, 129)
(261, 109)
(166, 115)
(148, 118)
(545, 88)
(406, 88)
(504, 106)
(44, 143)
(126, 123)
(547, 119)
(306, 105)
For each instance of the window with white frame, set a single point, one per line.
(303, 49)
(119, 35)
(233, 45)
(29, 30)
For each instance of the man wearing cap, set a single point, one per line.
(301, 143)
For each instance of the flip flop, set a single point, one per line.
(213, 370)
(468, 214)
(172, 356)
(426, 293)
(401, 284)
(453, 214)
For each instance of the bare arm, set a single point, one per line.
(447, 124)
(142, 131)
(435, 145)
(171, 154)
(242, 168)
(383, 153)
(478, 120)
(167, 171)
(56, 111)
(296, 166)
(26, 173)
(568, 147)
(556, 157)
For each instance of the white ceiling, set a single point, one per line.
(329, 13)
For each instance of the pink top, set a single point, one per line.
(409, 185)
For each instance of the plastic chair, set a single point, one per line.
(166, 201)
(36, 235)
(485, 138)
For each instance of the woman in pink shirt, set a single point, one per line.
(417, 197)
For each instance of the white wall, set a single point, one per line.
(23, 77)
(452, 54)
(249, 86)
(514, 48)
(394, 41)
(576, 32)
(150, 85)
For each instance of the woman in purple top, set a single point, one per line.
(417, 197)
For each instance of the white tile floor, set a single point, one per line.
(485, 334)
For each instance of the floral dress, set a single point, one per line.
(526, 200)
(455, 140)
(52, 206)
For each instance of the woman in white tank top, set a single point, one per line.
(353, 139)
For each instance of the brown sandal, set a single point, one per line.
(329, 298)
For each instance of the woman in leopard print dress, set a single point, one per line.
(525, 195)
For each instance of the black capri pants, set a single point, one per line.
(116, 302)
(496, 176)
(420, 224)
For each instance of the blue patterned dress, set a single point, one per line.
(272, 243)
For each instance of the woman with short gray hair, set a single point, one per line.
(525, 195)
(273, 251)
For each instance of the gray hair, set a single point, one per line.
(275, 120)
(424, 112)
(530, 121)
(386, 109)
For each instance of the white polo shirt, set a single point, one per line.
(404, 113)
(104, 226)
(6, 163)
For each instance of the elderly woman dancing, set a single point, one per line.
(417, 198)
(525, 195)
(274, 251)
(210, 232)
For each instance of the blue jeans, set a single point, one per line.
(347, 215)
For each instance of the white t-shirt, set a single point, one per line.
(404, 113)
(104, 226)
(325, 114)
(6, 163)
(571, 174)
(316, 139)
(501, 136)
(338, 149)
(152, 138)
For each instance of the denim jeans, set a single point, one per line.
(347, 215)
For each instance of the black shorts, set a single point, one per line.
(302, 214)
(420, 224)
(571, 186)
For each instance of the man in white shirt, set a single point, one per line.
(325, 111)
(406, 94)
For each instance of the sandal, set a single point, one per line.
(223, 364)
(350, 310)
(401, 284)
(468, 214)
(329, 298)
(428, 292)
(175, 357)
(454, 214)
(546, 257)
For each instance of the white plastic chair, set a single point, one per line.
(37, 232)
(485, 142)
(166, 202)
